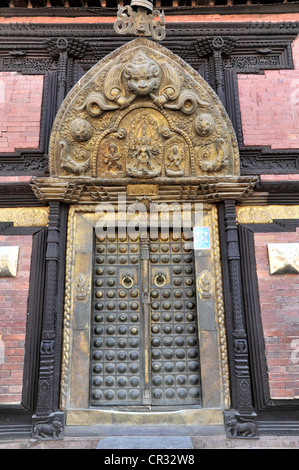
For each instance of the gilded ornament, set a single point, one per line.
(81, 130)
(265, 214)
(174, 161)
(112, 158)
(205, 285)
(141, 22)
(204, 125)
(82, 287)
(25, 216)
(78, 163)
(283, 258)
(212, 156)
(9, 256)
(141, 112)
(144, 148)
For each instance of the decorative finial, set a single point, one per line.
(140, 18)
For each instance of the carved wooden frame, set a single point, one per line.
(273, 415)
(15, 420)
(74, 397)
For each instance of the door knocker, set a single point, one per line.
(127, 281)
(160, 280)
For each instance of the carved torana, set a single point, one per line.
(142, 114)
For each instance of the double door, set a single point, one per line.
(144, 341)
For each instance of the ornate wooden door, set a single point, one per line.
(144, 342)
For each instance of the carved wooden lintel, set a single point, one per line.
(89, 190)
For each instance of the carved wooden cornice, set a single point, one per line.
(89, 190)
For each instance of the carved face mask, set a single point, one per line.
(142, 75)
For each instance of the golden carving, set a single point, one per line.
(9, 261)
(205, 285)
(142, 190)
(140, 22)
(142, 112)
(283, 258)
(144, 148)
(81, 130)
(25, 216)
(78, 163)
(265, 214)
(220, 307)
(82, 287)
(113, 159)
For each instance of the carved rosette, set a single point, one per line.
(143, 113)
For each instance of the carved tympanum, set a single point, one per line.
(142, 112)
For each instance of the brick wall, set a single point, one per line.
(13, 315)
(270, 106)
(20, 111)
(279, 303)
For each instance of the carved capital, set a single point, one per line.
(75, 47)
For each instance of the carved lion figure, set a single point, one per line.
(48, 430)
(240, 429)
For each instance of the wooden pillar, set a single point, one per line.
(242, 406)
(47, 404)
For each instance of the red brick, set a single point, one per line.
(22, 111)
(13, 303)
(269, 107)
(279, 304)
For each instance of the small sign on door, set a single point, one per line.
(202, 238)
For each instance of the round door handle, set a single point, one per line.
(127, 281)
(160, 280)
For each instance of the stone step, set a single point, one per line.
(146, 442)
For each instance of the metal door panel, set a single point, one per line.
(116, 342)
(174, 338)
(144, 341)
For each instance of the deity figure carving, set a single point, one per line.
(82, 287)
(112, 159)
(205, 284)
(143, 154)
(175, 157)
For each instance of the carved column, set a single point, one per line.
(216, 48)
(242, 411)
(47, 402)
(64, 50)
